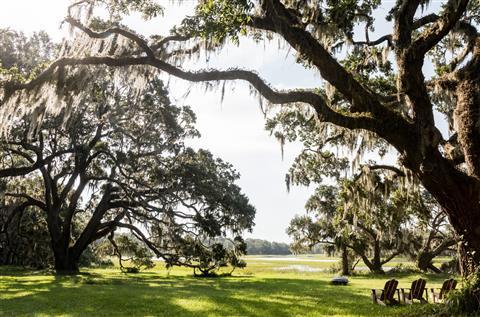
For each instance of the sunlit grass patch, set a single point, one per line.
(259, 290)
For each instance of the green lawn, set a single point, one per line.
(268, 287)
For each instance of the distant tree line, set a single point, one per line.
(259, 246)
(265, 247)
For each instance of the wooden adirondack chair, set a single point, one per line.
(447, 286)
(416, 291)
(387, 294)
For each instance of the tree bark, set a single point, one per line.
(66, 263)
(65, 259)
(345, 261)
(424, 262)
(462, 206)
(377, 260)
(374, 265)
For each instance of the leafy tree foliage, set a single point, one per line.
(127, 248)
(117, 162)
(23, 230)
(259, 246)
(378, 227)
(365, 97)
(124, 165)
(209, 256)
(24, 55)
(23, 236)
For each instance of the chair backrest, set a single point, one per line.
(418, 288)
(447, 286)
(389, 290)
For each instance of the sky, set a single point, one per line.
(233, 129)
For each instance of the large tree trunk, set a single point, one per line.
(425, 262)
(66, 263)
(458, 190)
(465, 219)
(458, 194)
(467, 120)
(345, 262)
(376, 266)
(426, 255)
(467, 261)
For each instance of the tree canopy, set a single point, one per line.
(119, 162)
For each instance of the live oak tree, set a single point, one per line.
(374, 223)
(321, 227)
(24, 236)
(120, 163)
(387, 197)
(364, 91)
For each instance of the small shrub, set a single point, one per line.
(428, 310)
(404, 269)
(451, 266)
(131, 269)
(465, 300)
(90, 281)
(334, 268)
(104, 262)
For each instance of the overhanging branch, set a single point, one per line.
(324, 112)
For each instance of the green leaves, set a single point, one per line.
(21, 57)
(148, 8)
(218, 20)
(129, 151)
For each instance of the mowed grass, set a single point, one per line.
(267, 287)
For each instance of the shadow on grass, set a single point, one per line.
(151, 294)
